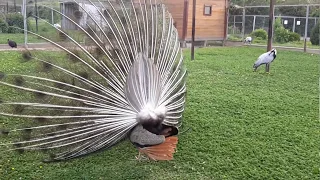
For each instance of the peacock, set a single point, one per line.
(265, 58)
(116, 72)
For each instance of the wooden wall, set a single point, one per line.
(207, 27)
(68, 8)
(175, 7)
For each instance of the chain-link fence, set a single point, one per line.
(253, 22)
(300, 19)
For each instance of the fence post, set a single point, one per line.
(193, 28)
(36, 17)
(24, 12)
(243, 21)
(52, 20)
(294, 24)
(254, 23)
(15, 6)
(234, 24)
(306, 30)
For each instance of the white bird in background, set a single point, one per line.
(265, 58)
(57, 25)
(128, 81)
(248, 40)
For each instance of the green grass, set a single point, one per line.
(245, 125)
(44, 29)
(299, 44)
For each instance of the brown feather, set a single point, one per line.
(162, 151)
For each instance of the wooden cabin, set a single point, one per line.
(210, 19)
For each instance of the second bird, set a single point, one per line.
(12, 43)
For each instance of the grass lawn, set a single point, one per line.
(299, 44)
(44, 29)
(244, 125)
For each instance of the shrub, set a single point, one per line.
(315, 33)
(3, 26)
(278, 24)
(234, 38)
(14, 29)
(259, 33)
(281, 35)
(45, 13)
(259, 40)
(15, 19)
(294, 36)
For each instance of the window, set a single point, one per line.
(207, 10)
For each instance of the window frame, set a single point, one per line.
(204, 10)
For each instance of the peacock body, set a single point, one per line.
(117, 74)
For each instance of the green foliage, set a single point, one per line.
(14, 30)
(16, 20)
(259, 33)
(294, 36)
(3, 26)
(278, 23)
(244, 125)
(44, 29)
(234, 38)
(315, 33)
(259, 40)
(316, 13)
(281, 35)
(45, 13)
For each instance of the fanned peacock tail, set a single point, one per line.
(121, 66)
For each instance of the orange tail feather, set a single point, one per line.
(162, 151)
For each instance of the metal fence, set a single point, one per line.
(253, 22)
(242, 24)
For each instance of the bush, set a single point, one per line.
(281, 35)
(259, 33)
(278, 24)
(234, 38)
(259, 40)
(14, 29)
(45, 13)
(315, 33)
(3, 26)
(15, 19)
(294, 36)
